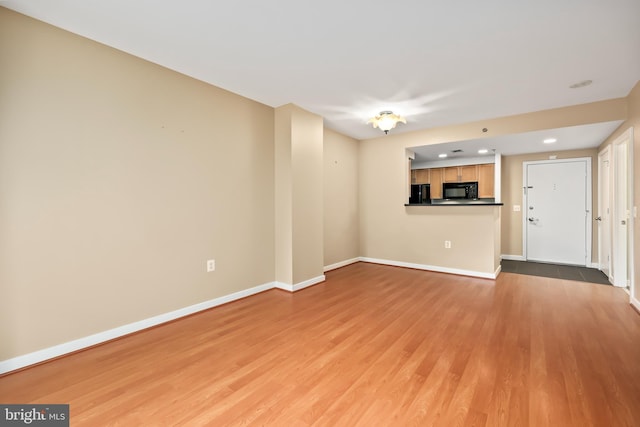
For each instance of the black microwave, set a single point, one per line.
(460, 190)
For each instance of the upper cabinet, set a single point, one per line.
(421, 176)
(461, 173)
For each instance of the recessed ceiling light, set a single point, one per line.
(581, 84)
(549, 140)
(483, 151)
(442, 156)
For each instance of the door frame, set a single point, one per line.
(589, 203)
(625, 138)
(604, 229)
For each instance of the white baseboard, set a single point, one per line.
(432, 268)
(301, 285)
(341, 264)
(594, 265)
(513, 257)
(101, 337)
(497, 272)
(635, 303)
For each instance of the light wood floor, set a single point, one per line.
(372, 346)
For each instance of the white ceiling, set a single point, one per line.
(436, 62)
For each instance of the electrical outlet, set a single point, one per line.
(516, 208)
(211, 265)
(447, 244)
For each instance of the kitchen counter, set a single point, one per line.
(458, 202)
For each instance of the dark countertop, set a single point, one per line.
(458, 202)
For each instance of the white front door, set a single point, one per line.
(557, 211)
(603, 216)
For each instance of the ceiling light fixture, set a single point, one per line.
(442, 156)
(483, 151)
(549, 140)
(386, 121)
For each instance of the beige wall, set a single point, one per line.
(388, 230)
(118, 180)
(283, 196)
(299, 200)
(308, 201)
(512, 194)
(341, 213)
(633, 121)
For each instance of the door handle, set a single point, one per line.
(599, 218)
(623, 222)
(531, 219)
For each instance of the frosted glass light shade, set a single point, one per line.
(386, 121)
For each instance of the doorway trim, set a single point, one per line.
(604, 201)
(589, 203)
(625, 138)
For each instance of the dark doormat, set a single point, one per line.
(566, 272)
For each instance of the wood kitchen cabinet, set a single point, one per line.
(486, 181)
(451, 174)
(461, 173)
(436, 177)
(468, 173)
(420, 176)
